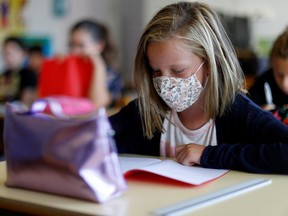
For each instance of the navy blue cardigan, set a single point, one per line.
(249, 138)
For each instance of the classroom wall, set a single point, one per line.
(40, 20)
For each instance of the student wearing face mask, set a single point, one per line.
(191, 101)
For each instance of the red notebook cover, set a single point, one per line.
(70, 76)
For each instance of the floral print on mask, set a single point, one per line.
(178, 93)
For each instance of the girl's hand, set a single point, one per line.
(189, 154)
(98, 64)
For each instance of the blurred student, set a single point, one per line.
(276, 77)
(17, 82)
(36, 57)
(91, 39)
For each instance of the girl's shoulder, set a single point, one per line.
(128, 111)
(242, 108)
(243, 102)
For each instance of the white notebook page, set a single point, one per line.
(171, 169)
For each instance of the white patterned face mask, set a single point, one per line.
(178, 93)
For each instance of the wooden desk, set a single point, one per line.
(143, 197)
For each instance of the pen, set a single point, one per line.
(195, 203)
(268, 93)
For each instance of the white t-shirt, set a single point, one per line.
(176, 134)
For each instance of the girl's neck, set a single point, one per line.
(194, 117)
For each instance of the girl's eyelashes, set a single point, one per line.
(172, 71)
(155, 71)
(178, 71)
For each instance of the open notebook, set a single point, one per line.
(171, 169)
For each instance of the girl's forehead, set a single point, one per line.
(167, 55)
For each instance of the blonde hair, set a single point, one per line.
(200, 28)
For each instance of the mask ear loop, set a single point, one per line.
(206, 82)
(199, 68)
(206, 77)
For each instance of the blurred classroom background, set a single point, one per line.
(252, 25)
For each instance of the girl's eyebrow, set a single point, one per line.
(180, 66)
(177, 65)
